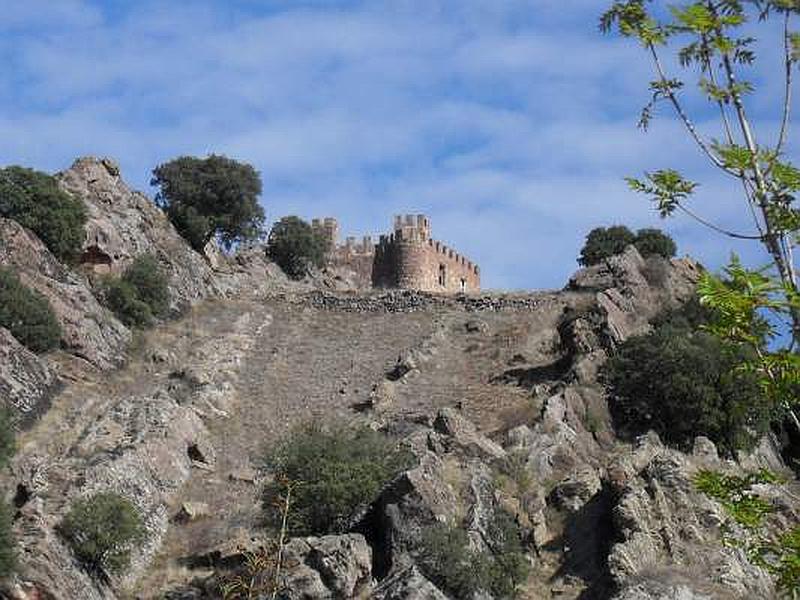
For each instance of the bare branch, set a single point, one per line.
(684, 117)
(787, 98)
(717, 228)
(748, 192)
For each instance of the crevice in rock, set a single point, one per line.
(195, 454)
(589, 534)
(529, 377)
(22, 495)
(400, 370)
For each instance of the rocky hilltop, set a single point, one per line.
(176, 419)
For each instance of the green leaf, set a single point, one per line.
(667, 188)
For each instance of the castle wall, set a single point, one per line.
(410, 259)
(407, 259)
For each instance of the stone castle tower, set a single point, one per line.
(407, 258)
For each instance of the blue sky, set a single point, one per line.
(510, 122)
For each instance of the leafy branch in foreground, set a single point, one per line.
(779, 555)
(751, 310)
(712, 40)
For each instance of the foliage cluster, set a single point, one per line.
(140, 294)
(682, 382)
(780, 555)
(103, 530)
(447, 559)
(208, 198)
(27, 314)
(336, 471)
(7, 541)
(295, 246)
(35, 201)
(602, 243)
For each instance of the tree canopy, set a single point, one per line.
(295, 246)
(34, 200)
(213, 197)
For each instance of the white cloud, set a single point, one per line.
(511, 123)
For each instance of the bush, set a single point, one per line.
(295, 246)
(35, 201)
(337, 472)
(602, 243)
(210, 197)
(446, 559)
(7, 541)
(146, 277)
(7, 443)
(8, 554)
(681, 383)
(140, 294)
(27, 314)
(102, 530)
(654, 242)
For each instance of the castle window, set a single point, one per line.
(442, 275)
(463, 285)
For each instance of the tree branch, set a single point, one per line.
(787, 98)
(683, 116)
(717, 228)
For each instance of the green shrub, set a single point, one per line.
(446, 559)
(295, 246)
(210, 197)
(602, 243)
(654, 242)
(150, 283)
(27, 314)
(7, 443)
(123, 300)
(139, 295)
(681, 383)
(7, 541)
(35, 201)
(8, 554)
(337, 472)
(102, 531)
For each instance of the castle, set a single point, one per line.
(408, 258)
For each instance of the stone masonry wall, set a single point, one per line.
(411, 259)
(406, 259)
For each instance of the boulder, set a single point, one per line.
(89, 330)
(464, 435)
(408, 584)
(192, 511)
(334, 566)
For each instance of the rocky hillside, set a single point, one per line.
(496, 396)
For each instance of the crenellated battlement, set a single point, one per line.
(408, 257)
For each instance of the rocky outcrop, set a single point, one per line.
(89, 330)
(26, 381)
(123, 224)
(631, 290)
(671, 534)
(334, 566)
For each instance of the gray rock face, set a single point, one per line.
(124, 224)
(26, 381)
(631, 290)
(669, 529)
(334, 566)
(89, 330)
(408, 584)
